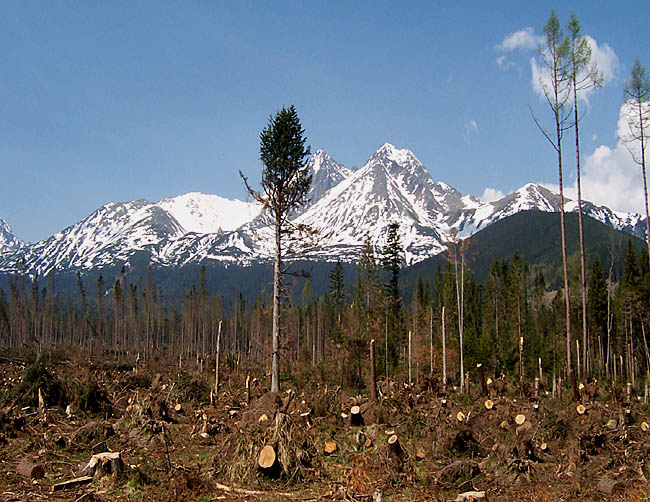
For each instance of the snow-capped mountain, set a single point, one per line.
(112, 234)
(345, 206)
(326, 174)
(8, 241)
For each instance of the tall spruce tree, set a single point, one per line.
(285, 182)
(391, 261)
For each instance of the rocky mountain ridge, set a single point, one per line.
(344, 206)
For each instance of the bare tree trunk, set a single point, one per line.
(565, 270)
(410, 362)
(216, 362)
(431, 341)
(373, 377)
(580, 231)
(277, 272)
(444, 352)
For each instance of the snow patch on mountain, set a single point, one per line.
(204, 214)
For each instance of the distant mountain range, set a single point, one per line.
(345, 206)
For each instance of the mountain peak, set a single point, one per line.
(319, 159)
(402, 156)
(8, 241)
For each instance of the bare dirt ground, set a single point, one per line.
(414, 444)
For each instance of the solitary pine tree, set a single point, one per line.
(285, 182)
(391, 262)
(637, 97)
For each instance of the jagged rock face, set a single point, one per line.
(344, 206)
(8, 241)
(326, 174)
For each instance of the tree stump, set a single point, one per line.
(104, 463)
(305, 418)
(483, 382)
(394, 447)
(329, 447)
(267, 458)
(356, 418)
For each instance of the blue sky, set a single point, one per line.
(115, 101)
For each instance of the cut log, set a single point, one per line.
(267, 457)
(71, 483)
(356, 418)
(178, 408)
(29, 470)
(104, 463)
(520, 419)
(580, 409)
(488, 404)
(329, 447)
(394, 447)
(469, 496)
(460, 416)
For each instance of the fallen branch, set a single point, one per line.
(71, 483)
(244, 491)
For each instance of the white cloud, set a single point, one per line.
(603, 56)
(491, 195)
(524, 39)
(471, 127)
(504, 63)
(611, 177)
